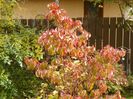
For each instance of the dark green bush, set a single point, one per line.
(7, 89)
(16, 42)
(14, 78)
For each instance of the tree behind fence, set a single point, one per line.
(104, 31)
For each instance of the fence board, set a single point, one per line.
(85, 23)
(24, 22)
(31, 23)
(126, 38)
(105, 31)
(112, 31)
(92, 30)
(119, 32)
(132, 52)
(99, 33)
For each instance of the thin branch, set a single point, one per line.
(124, 18)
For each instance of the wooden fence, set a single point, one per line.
(104, 31)
(111, 31)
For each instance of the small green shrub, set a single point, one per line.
(13, 48)
(7, 88)
(16, 42)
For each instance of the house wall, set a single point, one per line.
(111, 9)
(75, 8)
(29, 9)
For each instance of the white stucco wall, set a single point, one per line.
(111, 9)
(29, 9)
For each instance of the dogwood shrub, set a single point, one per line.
(74, 69)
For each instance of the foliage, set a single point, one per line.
(113, 87)
(16, 42)
(129, 90)
(130, 81)
(6, 87)
(25, 83)
(71, 68)
(13, 48)
(7, 23)
(6, 8)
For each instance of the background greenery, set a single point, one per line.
(14, 78)
(16, 42)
